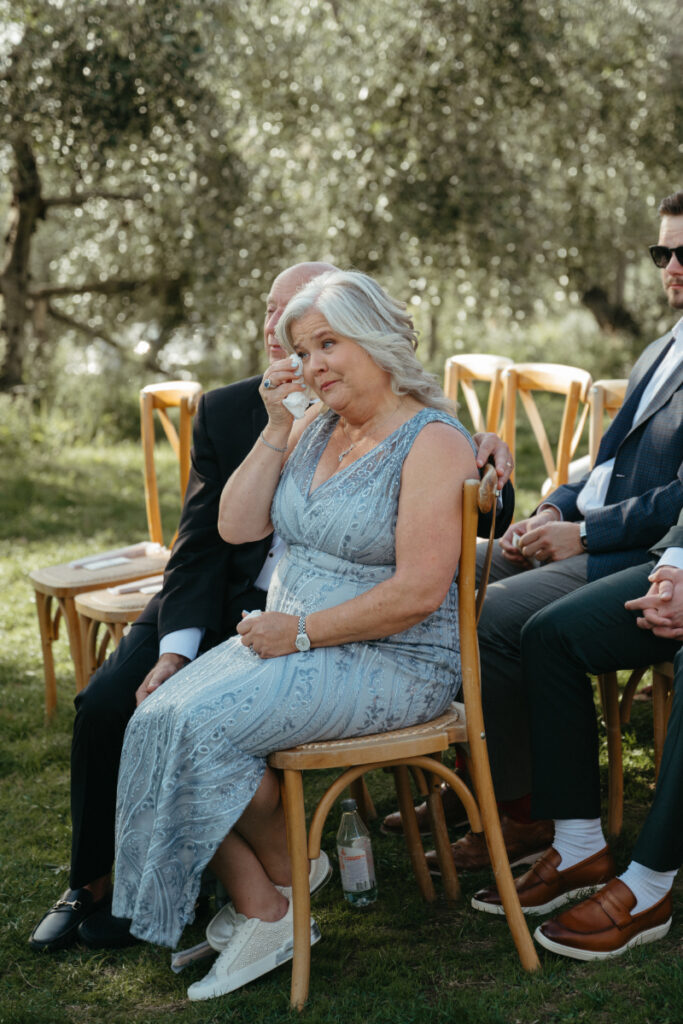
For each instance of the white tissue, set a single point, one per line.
(297, 402)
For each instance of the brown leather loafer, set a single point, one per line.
(543, 887)
(603, 926)
(524, 845)
(452, 807)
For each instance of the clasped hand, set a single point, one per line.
(662, 606)
(543, 537)
(270, 635)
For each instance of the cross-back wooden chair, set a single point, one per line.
(526, 379)
(616, 708)
(57, 586)
(463, 371)
(418, 748)
(606, 398)
(103, 614)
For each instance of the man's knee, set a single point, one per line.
(105, 700)
(544, 629)
(109, 697)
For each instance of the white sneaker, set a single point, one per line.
(255, 947)
(318, 876)
(221, 927)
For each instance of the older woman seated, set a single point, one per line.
(358, 636)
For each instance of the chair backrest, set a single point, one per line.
(462, 371)
(160, 398)
(478, 496)
(524, 379)
(605, 397)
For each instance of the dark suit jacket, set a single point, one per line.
(208, 581)
(645, 493)
(672, 539)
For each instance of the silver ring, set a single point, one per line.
(510, 464)
(267, 383)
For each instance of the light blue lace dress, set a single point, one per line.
(194, 752)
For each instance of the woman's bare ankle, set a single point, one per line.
(271, 909)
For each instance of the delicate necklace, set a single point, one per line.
(355, 443)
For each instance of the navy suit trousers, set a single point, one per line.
(586, 633)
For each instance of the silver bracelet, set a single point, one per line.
(272, 446)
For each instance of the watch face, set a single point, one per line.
(302, 642)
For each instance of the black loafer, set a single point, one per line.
(102, 930)
(58, 929)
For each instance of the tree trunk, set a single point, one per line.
(27, 207)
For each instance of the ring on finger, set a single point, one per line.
(267, 383)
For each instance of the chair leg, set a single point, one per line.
(661, 686)
(506, 885)
(76, 643)
(48, 633)
(449, 875)
(481, 777)
(609, 694)
(361, 794)
(295, 816)
(627, 695)
(412, 833)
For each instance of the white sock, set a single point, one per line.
(576, 839)
(648, 886)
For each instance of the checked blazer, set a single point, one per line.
(673, 539)
(645, 493)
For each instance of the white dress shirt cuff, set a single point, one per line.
(549, 504)
(182, 641)
(672, 556)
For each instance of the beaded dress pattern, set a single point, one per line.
(194, 752)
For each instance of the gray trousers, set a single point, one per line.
(513, 596)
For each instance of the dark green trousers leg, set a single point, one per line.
(586, 632)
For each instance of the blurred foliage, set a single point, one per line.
(497, 163)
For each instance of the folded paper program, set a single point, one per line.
(148, 585)
(118, 556)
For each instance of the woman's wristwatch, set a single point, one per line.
(302, 642)
(582, 535)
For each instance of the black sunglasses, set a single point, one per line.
(661, 254)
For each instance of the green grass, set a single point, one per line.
(400, 961)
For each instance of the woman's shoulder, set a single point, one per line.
(438, 423)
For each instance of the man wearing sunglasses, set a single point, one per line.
(582, 532)
(602, 627)
(605, 626)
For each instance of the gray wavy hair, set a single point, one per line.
(356, 306)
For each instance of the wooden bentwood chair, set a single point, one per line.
(57, 586)
(103, 614)
(463, 371)
(525, 379)
(606, 397)
(419, 749)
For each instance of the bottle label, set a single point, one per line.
(357, 869)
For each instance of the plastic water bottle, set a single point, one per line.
(356, 864)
